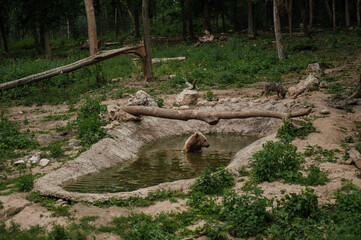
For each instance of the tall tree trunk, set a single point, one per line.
(184, 21)
(234, 16)
(358, 13)
(68, 28)
(251, 24)
(47, 46)
(266, 15)
(240, 15)
(41, 31)
(136, 22)
(190, 20)
(116, 24)
(289, 11)
(92, 27)
(207, 20)
(36, 39)
(277, 28)
(328, 10)
(334, 15)
(4, 35)
(347, 13)
(223, 22)
(149, 67)
(310, 25)
(301, 6)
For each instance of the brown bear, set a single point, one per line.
(195, 143)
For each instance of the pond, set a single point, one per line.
(162, 161)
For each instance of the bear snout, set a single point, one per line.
(207, 145)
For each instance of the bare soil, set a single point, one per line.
(332, 130)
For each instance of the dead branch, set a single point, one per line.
(211, 118)
(157, 60)
(191, 86)
(99, 57)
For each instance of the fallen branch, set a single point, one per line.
(99, 57)
(211, 118)
(157, 60)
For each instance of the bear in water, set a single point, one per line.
(195, 143)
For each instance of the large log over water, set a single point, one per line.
(99, 57)
(211, 118)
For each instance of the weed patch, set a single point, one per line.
(288, 132)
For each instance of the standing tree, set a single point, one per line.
(184, 20)
(92, 27)
(347, 13)
(149, 68)
(301, 7)
(358, 13)
(251, 20)
(189, 12)
(4, 10)
(334, 15)
(277, 28)
(310, 25)
(206, 15)
(289, 12)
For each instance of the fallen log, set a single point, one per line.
(211, 118)
(99, 57)
(157, 60)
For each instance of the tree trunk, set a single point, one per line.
(36, 39)
(358, 13)
(223, 22)
(116, 23)
(92, 27)
(334, 15)
(310, 25)
(47, 46)
(207, 20)
(184, 21)
(251, 24)
(101, 56)
(301, 6)
(148, 62)
(277, 28)
(4, 35)
(328, 10)
(347, 13)
(136, 22)
(68, 28)
(211, 118)
(289, 11)
(240, 15)
(266, 15)
(190, 20)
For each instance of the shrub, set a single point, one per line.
(276, 160)
(213, 183)
(288, 132)
(90, 122)
(316, 176)
(25, 183)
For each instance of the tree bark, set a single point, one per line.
(266, 15)
(301, 6)
(4, 35)
(223, 22)
(68, 28)
(92, 27)
(116, 23)
(136, 22)
(207, 19)
(328, 10)
(277, 29)
(358, 8)
(148, 62)
(310, 25)
(48, 53)
(289, 11)
(190, 20)
(334, 15)
(211, 118)
(251, 24)
(36, 39)
(99, 57)
(347, 14)
(184, 21)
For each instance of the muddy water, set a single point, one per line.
(162, 161)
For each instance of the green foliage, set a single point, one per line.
(160, 102)
(209, 95)
(320, 154)
(15, 233)
(348, 199)
(25, 183)
(213, 183)
(315, 177)
(203, 204)
(288, 132)
(55, 149)
(276, 160)
(90, 122)
(216, 232)
(245, 215)
(50, 204)
(348, 139)
(242, 171)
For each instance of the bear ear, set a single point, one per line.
(196, 134)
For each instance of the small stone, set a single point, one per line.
(187, 97)
(18, 162)
(172, 76)
(21, 112)
(325, 112)
(257, 101)
(35, 158)
(200, 103)
(234, 100)
(221, 101)
(324, 84)
(184, 107)
(43, 162)
(164, 78)
(74, 142)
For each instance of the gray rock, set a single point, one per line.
(325, 112)
(74, 143)
(234, 100)
(35, 158)
(142, 99)
(43, 162)
(184, 107)
(187, 97)
(324, 84)
(18, 162)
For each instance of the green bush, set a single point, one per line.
(213, 183)
(25, 183)
(288, 132)
(315, 177)
(90, 123)
(276, 160)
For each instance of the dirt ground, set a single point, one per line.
(331, 131)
